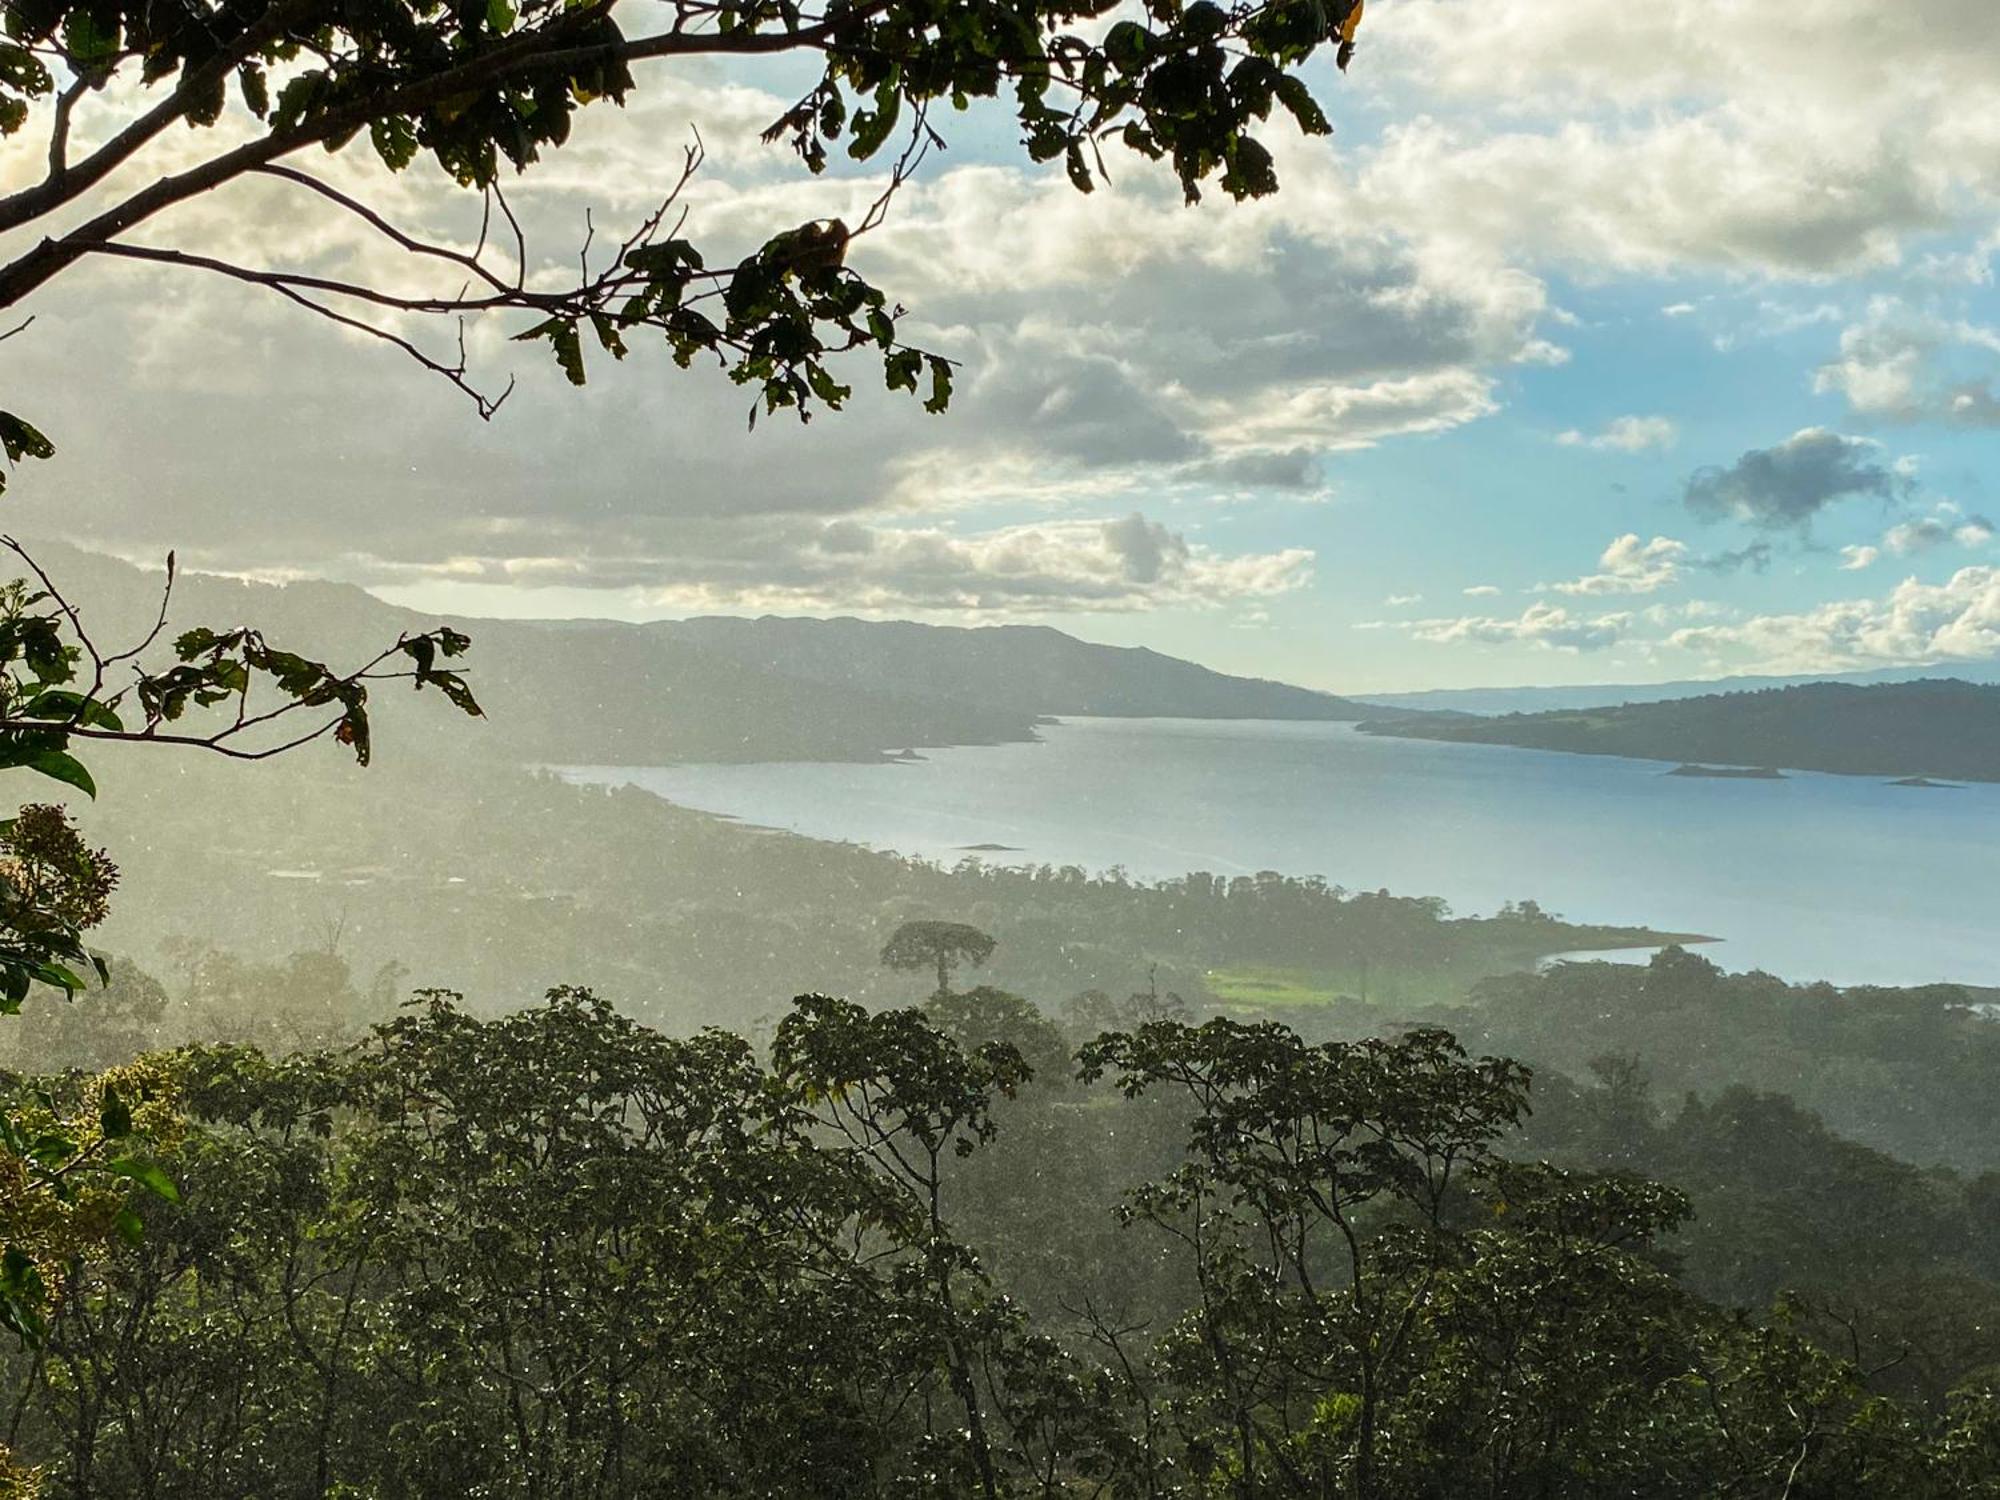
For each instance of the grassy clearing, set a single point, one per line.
(1253, 989)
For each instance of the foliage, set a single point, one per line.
(1914, 1071)
(559, 1254)
(484, 90)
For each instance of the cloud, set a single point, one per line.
(1855, 558)
(1927, 533)
(1625, 435)
(1399, 601)
(1680, 137)
(1115, 351)
(1755, 556)
(1483, 591)
(1540, 624)
(1916, 623)
(1631, 566)
(1905, 364)
(1130, 563)
(1786, 486)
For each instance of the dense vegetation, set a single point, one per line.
(1940, 727)
(1913, 1071)
(262, 1233)
(557, 1254)
(502, 882)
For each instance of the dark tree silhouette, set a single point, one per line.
(939, 945)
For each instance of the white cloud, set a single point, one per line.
(1906, 364)
(1853, 559)
(1631, 566)
(1625, 435)
(1540, 624)
(1399, 601)
(1131, 563)
(1916, 623)
(1927, 533)
(1483, 591)
(1790, 140)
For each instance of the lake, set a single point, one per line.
(1813, 877)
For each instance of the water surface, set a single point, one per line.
(1835, 877)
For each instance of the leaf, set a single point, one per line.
(131, 1228)
(21, 440)
(70, 707)
(147, 1175)
(52, 1148)
(940, 396)
(1297, 98)
(114, 1115)
(64, 767)
(394, 140)
(56, 976)
(872, 127)
(85, 39)
(500, 15)
(256, 92)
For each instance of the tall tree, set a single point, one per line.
(942, 946)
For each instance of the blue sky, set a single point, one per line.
(1599, 344)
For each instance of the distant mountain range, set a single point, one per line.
(1527, 700)
(712, 689)
(1932, 727)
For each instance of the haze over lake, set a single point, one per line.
(1841, 878)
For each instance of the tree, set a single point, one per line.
(59, 1164)
(937, 945)
(479, 89)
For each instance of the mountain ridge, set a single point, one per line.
(1931, 727)
(710, 688)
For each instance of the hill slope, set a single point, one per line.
(609, 693)
(1934, 727)
(1532, 699)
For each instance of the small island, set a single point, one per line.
(1926, 781)
(1730, 773)
(989, 849)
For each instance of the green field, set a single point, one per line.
(1248, 989)
(1254, 990)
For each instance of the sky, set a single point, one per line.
(1600, 343)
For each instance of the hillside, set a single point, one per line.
(1532, 699)
(1933, 727)
(714, 689)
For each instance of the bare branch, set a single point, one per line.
(159, 625)
(59, 127)
(381, 225)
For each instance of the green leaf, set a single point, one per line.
(114, 1115)
(147, 1175)
(56, 976)
(395, 141)
(500, 15)
(86, 40)
(131, 1229)
(256, 92)
(64, 767)
(872, 127)
(70, 707)
(52, 1148)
